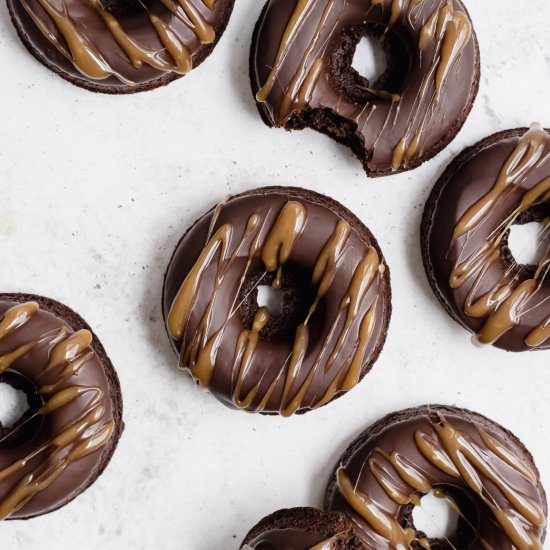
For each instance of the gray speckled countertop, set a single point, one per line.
(96, 191)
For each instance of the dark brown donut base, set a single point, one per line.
(76, 322)
(364, 234)
(415, 413)
(325, 524)
(456, 164)
(343, 131)
(198, 57)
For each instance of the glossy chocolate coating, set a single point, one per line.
(268, 370)
(491, 468)
(48, 44)
(467, 181)
(302, 529)
(289, 539)
(381, 126)
(42, 331)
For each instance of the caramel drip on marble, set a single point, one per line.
(90, 62)
(199, 355)
(82, 436)
(504, 304)
(456, 454)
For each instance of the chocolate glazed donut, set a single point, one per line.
(501, 181)
(483, 469)
(120, 46)
(302, 76)
(65, 441)
(302, 529)
(335, 295)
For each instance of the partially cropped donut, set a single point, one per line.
(66, 439)
(334, 290)
(303, 529)
(501, 181)
(482, 468)
(302, 75)
(120, 46)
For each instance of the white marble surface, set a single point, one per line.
(96, 191)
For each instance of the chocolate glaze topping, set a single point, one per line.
(120, 50)
(296, 67)
(273, 236)
(290, 539)
(404, 456)
(46, 470)
(501, 181)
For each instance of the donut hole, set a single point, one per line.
(446, 517)
(288, 306)
(270, 298)
(19, 402)
(527, 242)
(367, 59)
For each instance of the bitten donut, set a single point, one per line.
(302, 75)
(120, 46)
(501, 181)
(66, 439)
(333, 286)
(482, 468)
(302, 529)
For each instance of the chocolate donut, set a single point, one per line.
(302, 76)
(501, 181)
(66, 439)
(120, 46)
(482, 468)
(334, 288)
(302, 529)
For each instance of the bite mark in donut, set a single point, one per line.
(388, 468)
(501, 181)
(79, 407)
(120, 46)
(227, 342)
(302, 76)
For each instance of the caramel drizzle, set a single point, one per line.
(86, 57)
(449, 28)
(504, 305)
(199, 355)
(455, 453)
(452, 31)
(84, 435)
